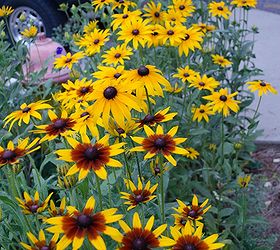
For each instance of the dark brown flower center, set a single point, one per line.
(91, 153)
(8, 155)
(143, 71)
(182, 7)
(135, 32)
(138, 198)
(125, 16)
(223, 98)
(192, 213)
(187, 36)
(148, 118)
(157, 170)
(120, 1)
(170, 32)
(26, 109)
(33, 208)
(139, 244)
(120, 130)
(110, 93)
(186, 74)
(202, 111)
(262, 83)
(84, 221)
(189, 247)
(183, 221)
(45, 248)
(68, 60)
(117, 75)
(160, 143)
(59, 124)
(155, 33)
(84, 90)
(96, 41)
(220, 8)
(173, 19)
(84, 114)
(117, 55)
(202, 84)
(156, 14)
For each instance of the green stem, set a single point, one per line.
(148, 99)
(256, 112)
(161, 190)
(184, 103)
(137, 161)
(99, 191)
(127, 166)
(222, 140)
(244, 211)
(9, 31)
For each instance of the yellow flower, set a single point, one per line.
(41, 242)
(138, 195)
(154, 36)
(123, 4)
(221, 101)
(185, 7)
(174, 89)
(212, 147)
(106, 74)
(87, 156)
(117, 55)
(6, 11)
(204, 27)
(33, 206)
(99, 4)
(244, 181)
(30, 32)
(204, 82)
(26, 112)
(68, 60)
(136, 30)
(192, 153)
(125, 18)
(160, 143)
(185, 74)
(262, 87)
(220, 60)
(54, 211)
(172, 34)
(245, 3)
(90, 27)
(138, 237)
(154, 13)
(202, 112)
(219, 9)
(92, 224)
(174, 17)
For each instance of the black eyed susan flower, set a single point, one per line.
(61, 210)
(174, 17)
(87, 156)
(136, 30)
(155, 167)
(243, 181)
(108, 74)
(122, 4)
(174, 89)
(26, 112)
(40, 243)
(33, 206)
(158, 117)
(262, 87)
(99, 4)
(150, 77)
(67, 60)
(185, 7)
(154, 13)
(193, 212)
(223, 102)
(191, 40)
(124, 18)
(244, 3)
(219, 9)
(117, 55)
(190, 238)
(65, 181)
(139, 238)
(154, 36)
(77, 225)
(204, 82)
(59, 126)
(30, 32)
(11, 154)
(185, 74)
(90, 27)
(220, 60)
(204, 27)
(192, 153)
(6, 11)
(171, 34)
(202, 112)
(160, 143)
(138, 195)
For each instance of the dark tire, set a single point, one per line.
(47, 12)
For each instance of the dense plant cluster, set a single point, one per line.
(146, 145)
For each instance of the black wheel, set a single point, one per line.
(41, 13)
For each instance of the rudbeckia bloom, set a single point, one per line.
(137, 31)
(26, 112)
(30, 32)
(185, 74)
(117, 55)
(219, 9)
(185, 7)
(6, 11)
(204, 27)
(108, 74)
(99, 4)
(172, 34)
(191, 40)
(77, 225)
(67, 60)
(138, 195)
(90, 27)
(245, 3)
(150, 77)
(123, 4)
(220, 60)
(12, 154)
(124, 18)
(190, 238)
(221, 101)
(154, 14)
(174, 89)
(174, 17)
(158, 117)
(204, 82)
(87, 156)
(202, 112)
(262, 87)
(138, 237)
(40, 243)
(61, 210)
(243, 181)
(192, 153)
(59, 126)
(160, 143)
(193, 212)
(33, 206)
(154, 36)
